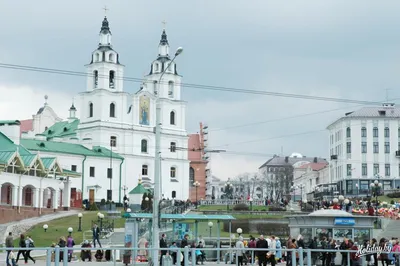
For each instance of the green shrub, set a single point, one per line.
(276, 209)
(394, 194)
(392, 202)
(241, 207)
(103, 202)
(93, 207)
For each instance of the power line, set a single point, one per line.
(190, 85)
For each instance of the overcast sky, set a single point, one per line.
(344, 49)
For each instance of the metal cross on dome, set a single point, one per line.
(105, 10)
(164, 23)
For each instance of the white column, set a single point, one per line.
(1, 188)
(67, 195)
(19, 195)
(14, 195)
(35, 198)
(56, 196)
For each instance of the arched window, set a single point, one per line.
(113, 141)
(387, 132)
(90, 109)
(112, 77)
(156, 67)
(143, 146)
(364, 132)
(145, 170)
(111, 57)
(155, 89)
(191, 176)
(97, 57)
(112, 109)
(171, 89)
(95, 78)
(172, 118)
(375, 132)
(173, 172)
(348, 132)
(28, 195)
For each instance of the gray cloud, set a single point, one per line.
(327, 48)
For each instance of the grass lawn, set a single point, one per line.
(58, 228)
(387, 199)
(223, 208)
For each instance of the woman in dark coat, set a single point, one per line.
(21, 244)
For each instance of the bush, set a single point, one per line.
(394, 194)
(392, 202)
(241, 207)
(103, 202)
(276, 209)
(93, 207)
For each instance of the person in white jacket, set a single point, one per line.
(272, 251)
(240, 251)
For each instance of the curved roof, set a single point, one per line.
(334, 213)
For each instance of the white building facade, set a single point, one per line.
(364, 146)
(308, 178)
(123, 126)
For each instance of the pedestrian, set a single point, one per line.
(262, 254)
(21, 244)
(70, 244)
(96, 235)
(163, 244)
(240, 251)
(29, 244)
(9, 246)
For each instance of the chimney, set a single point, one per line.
(12, 129)
(315, 159)
(286, 159)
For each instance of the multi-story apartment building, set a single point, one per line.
(364, 146)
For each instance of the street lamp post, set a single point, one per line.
(239, 231)
(45, 227)
(228, 188)
(80, 222)
(147, 204)
(251, 204)
(157, 170)
(375, 188)
(341, 199)
(357, 190)
(70, 230)
(210, 225)
(196, 184)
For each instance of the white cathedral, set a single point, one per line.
(119, 127)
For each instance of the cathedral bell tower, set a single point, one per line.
(169, 86)
(105, 71)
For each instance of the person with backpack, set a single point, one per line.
(29, 244)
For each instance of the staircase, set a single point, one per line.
(392, 229)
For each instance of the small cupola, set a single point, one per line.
(72, 112)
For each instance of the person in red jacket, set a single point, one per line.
(354, 257)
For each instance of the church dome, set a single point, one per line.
(296, 154)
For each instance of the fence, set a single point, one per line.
(188, 255)
(232, 202)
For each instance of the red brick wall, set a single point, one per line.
(10, 214)
(200, 176)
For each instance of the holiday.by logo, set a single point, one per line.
(369, 249)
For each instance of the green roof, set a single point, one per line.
(70, 173)
(10, 122)
(139, 189)
(189, 216)
(5, 156)
(62, 129)
(67, 148)
(27, 159)
(6, 144)
(48, 161)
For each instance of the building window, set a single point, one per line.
(91, 171)
(191, 176)
(387, 132)
(145, 170)
(364, 132)
(387, 169)
(363, 147)
(95, 78)
(348, 147)
(155, 87)
(109, 173)
(112, 79)
(375, 132)
(172, 118)
(364, 169)
(387, 147)
(111, 57)
(90, 109)
(376, 147)
(143, 146)
(171, 89)
(113, 141)
(172, 147)
(398, 132)
(112, 110)
(348, 169)
(348, 132)
(173, 172)
(376, 168)
(399, 169)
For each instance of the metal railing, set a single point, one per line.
(232, 202)
(59, 256)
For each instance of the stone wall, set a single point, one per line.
(11, 214)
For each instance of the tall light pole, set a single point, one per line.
(196, 184)
(157, 170)
(375, 188)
